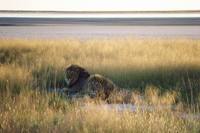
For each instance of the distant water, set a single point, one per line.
(86, 27)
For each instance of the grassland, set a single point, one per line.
(165, 71)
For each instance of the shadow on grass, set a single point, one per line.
(185, 80)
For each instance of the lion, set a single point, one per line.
(80, 81)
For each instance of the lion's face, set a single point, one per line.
(71, 75)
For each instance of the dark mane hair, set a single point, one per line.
(81, 73)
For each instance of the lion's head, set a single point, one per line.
(73, 73)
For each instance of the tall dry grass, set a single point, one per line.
(35, 111)
(29, 66)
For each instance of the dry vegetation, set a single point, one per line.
(166, 72)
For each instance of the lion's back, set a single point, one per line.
(100, 85)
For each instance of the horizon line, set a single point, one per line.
(98, 12)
